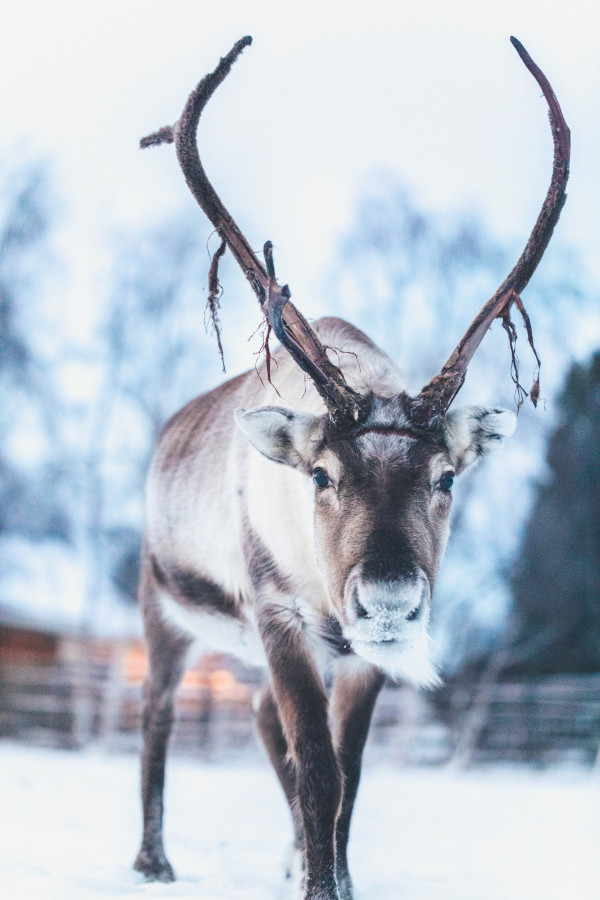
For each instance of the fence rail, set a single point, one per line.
(71, 704)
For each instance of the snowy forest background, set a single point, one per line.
(81, 410)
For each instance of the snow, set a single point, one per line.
(70, 828)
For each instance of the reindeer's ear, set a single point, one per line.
(279, 434)
(474, 431)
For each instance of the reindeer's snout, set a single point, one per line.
(386, 623)
(381, 610)
(387, 594)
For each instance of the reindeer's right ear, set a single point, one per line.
(279, 434)
(474, 431)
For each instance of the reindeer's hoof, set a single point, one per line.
(154, 868)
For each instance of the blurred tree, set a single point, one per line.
(557, 585)
(151, 334)
(414, 279)
(24, 227)
(30, 460)
(80, 410)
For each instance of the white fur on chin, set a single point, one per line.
(411, 663)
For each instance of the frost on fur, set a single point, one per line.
(412, 664)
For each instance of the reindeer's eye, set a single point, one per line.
(446, 482)
(320, 478)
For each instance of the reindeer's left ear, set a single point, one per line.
(474, 431)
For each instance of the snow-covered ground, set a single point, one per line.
(69, 828)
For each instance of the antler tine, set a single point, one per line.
(436, 397)
(183, 134)
(287, 322)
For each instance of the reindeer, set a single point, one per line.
(308, 538)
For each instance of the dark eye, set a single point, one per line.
(446, 482)
(320, 478)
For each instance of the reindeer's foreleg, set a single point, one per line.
(302, 706)
(355, 690)
(271, 732)
(167, 654)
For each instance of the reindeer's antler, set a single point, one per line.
(436, 397)
(292, 329)
(287, 322)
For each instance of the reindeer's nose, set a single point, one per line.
(379, 609)
(385, 609)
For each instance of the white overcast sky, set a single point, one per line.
(430, 91)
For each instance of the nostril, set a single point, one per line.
(413, 614)
(361, 611)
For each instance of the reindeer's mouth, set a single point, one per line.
(402, 659)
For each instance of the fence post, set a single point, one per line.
(76, 654)
(110, 697)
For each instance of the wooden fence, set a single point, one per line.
(544, 721)
(80, 701)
